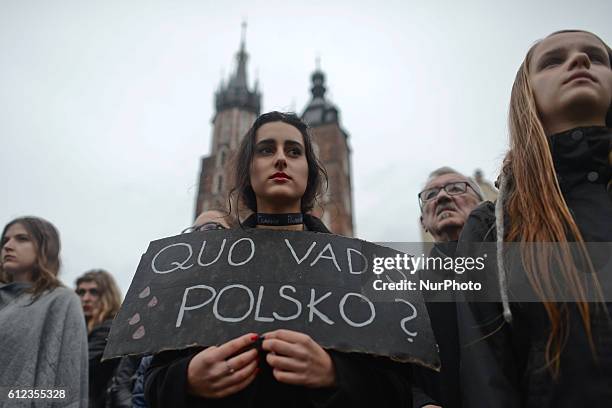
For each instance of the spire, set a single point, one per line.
(318, 80)
(237, 94)
(240, 77)
(243, 36)
(319, 110)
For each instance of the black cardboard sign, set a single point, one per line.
(206, 288)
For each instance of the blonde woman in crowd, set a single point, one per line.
(101, 300)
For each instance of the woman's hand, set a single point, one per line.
(297, 359)
(217, 372)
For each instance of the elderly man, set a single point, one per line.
(446, 201)
(210, 220)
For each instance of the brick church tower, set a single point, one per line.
(236, 108)
(332, 148)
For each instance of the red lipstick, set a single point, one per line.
(280, 175)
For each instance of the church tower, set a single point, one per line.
(332, 148)
(236, 108)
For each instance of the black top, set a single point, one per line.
(100, 373)
(362, 380)
(506, 366)
(432, 387)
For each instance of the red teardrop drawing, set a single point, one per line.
(152, 302)
(146, 292)
(134, 319)
(139, 333)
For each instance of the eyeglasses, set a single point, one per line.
(455, 188)
(93, 291)
(207, 226)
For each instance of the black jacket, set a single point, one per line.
(432, 387)
(100, 373)
(121, 384)
(111, 381)
(362, 380)
(505, 366)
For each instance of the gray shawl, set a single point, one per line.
(43, 345)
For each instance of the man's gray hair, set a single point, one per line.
(449, 170)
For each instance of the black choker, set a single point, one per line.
(280, 219)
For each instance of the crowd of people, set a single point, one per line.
(554, 186)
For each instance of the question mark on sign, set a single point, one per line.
(407, 319)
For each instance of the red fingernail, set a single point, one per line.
(254, 337)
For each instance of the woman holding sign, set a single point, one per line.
(555, 187)
(43, 340)
(278, 178)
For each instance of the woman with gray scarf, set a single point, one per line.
(44, 340)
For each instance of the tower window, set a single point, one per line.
(219, 183)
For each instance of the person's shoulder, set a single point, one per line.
(102, 327)
(480, 223)
(62, 291)
(486, 209)
(315, 224)
(63, 294)
(62, 297)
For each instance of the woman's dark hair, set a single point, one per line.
(242, 191)
(47, 245)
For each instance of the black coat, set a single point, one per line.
(111, 381)
(505, 365)
(100, 372)
(121, 384)
(362, 380)
(432, 387)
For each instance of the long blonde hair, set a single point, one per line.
(533, 201)
(110, 295)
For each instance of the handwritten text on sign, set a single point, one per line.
(208, 287)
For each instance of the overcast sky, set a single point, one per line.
(106, 106)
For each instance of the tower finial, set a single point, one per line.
(243, 34)
(318, 62)
(236, 94)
